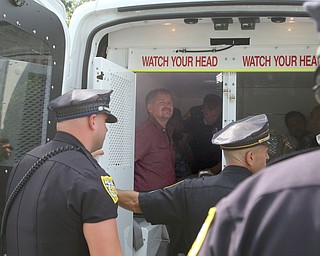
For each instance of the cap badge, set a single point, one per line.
(101, 108)
(264, 139)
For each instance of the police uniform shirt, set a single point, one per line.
(187, 203)
(276, 212)
(66, 191)
(205, 154)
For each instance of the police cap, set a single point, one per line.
(82, 102)
(244, 133)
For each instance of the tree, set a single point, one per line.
(71, 5)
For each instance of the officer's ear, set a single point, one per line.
(92, 121)
(249, 157)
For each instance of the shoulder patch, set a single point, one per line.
(110, 187)
(174, 184)
(195, 248)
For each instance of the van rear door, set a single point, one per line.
(32, 59)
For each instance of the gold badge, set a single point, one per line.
(110, 187)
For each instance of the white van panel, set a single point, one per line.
(118, 160)
(198, 35)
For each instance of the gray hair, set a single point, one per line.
(151, 95)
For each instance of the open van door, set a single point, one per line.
(32, 59)
(118, 158)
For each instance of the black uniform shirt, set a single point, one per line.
(185, 205)
(276, 212)
(205, 154)
(66, 191)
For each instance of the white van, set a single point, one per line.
(259, 56)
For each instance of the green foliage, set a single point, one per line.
(71, 5)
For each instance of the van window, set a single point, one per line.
(25, 78)
(276, 94)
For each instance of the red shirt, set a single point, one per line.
(154, 156)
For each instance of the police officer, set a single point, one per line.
(185, 205)
(200, 126)
(276, 212)
(69, 205)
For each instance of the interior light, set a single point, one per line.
(18, 2)
(278, 19)
(221, 23)
(248, 23)
(191, 21)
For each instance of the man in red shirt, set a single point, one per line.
(154, 153)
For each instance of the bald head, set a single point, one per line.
(253, 158)
(89, 130)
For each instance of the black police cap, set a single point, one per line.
(244, 133)
(82, 102)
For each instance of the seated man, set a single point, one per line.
(296, 123)
(181, 149)
(201, 126)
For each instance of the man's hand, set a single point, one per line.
(98, 152)
(5, 149)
